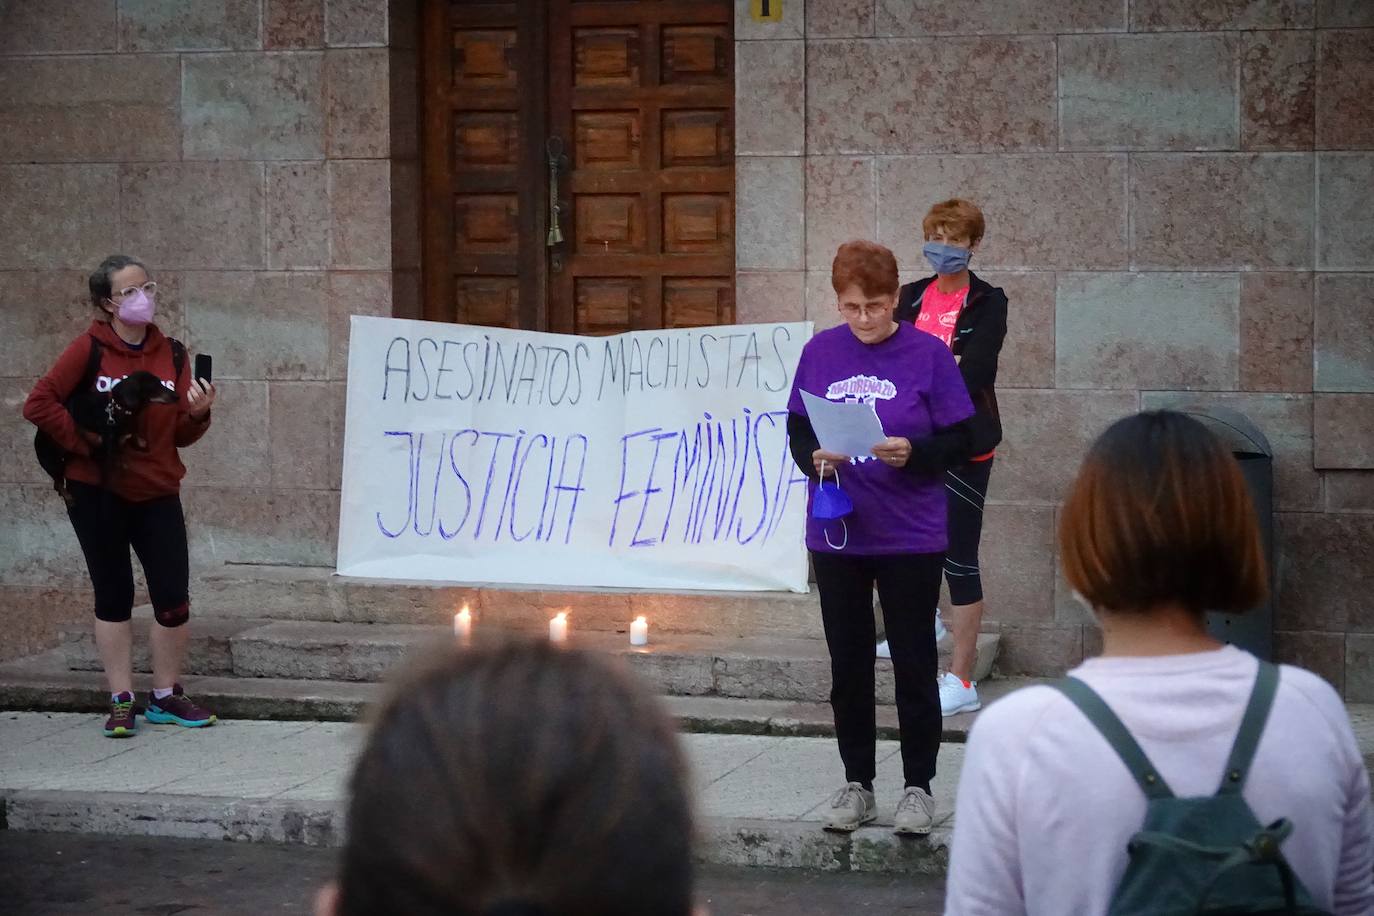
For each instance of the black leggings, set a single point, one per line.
(967, 488)
(107, 526)
(908, 589)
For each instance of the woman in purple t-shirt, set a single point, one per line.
(895, 533)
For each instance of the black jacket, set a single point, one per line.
(977, 342)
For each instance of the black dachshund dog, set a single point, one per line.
(111, 420)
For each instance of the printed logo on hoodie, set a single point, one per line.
(105, 384)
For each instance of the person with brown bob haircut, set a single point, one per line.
(520, 780)
(1158, 529)
(880, 519)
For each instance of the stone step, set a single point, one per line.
(792, 670)
(314, 593)
(44, 683)
(208, 653)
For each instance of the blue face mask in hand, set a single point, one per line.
(832, 503)
(946, 259)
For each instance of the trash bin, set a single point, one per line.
(1253, 630)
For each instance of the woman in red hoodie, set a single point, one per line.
(134, 502)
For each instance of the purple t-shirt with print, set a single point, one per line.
(915, 386)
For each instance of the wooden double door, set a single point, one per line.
(579, 163)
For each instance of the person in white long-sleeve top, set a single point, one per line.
(1157, 529)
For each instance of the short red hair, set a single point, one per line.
(867, 265)
(958, 218)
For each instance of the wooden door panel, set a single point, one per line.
(690, 302)
(697, 137)
(486, 141)
(636, 12)
(607, 140)
(485, 59)
(487, 300)
(608, 305)
(485, 224)
(696, 55)
(606, 58)
(609, 223)
(698, 224)
(642, 96)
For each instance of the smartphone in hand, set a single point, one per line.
(203, 368)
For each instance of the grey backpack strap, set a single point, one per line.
(1106, 722)
(1251, 728)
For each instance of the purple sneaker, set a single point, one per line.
(177, 709)
(123, 721)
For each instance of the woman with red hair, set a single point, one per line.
(880, 518)
(969, 315)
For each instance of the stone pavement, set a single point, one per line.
(759, 797)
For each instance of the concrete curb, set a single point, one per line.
(187, 816)
(723, 841)
(803, 844)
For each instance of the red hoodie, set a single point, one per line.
(165, 427)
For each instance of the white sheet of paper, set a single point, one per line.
(844, 428)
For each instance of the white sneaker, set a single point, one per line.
(955, 697)
(915, 813)
(850, 808)
(885, 651)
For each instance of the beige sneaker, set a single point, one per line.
(850, 808)
(915, 813)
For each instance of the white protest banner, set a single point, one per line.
(651, 459)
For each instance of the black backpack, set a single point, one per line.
(1207, 855)
(51, 456)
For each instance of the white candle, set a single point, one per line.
(558, 627)
(462, 626)
(639, 632)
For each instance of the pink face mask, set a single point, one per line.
(137, 309)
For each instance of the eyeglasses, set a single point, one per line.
(867, 310)
(149, 290)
